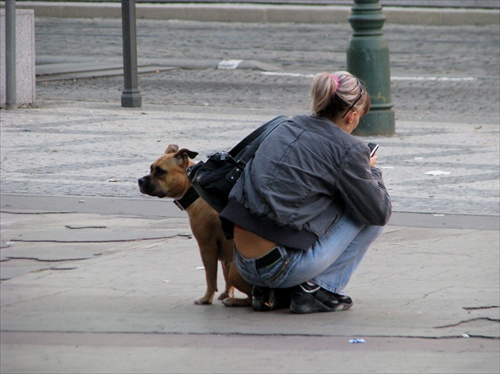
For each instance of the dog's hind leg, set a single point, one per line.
(240, 284)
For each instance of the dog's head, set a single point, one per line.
(168, 176)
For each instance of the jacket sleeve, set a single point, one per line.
(362, 188)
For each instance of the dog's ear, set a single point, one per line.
(182, 155)
(172, 148)
(184, 152)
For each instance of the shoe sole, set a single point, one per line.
(316, 307)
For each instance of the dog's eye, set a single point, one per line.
(159, 172)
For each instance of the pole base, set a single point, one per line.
(376, 123)
(131, 99)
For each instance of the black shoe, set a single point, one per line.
(308, 298)
(264, 299)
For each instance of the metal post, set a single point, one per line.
(10, 54)
(368, 59)
(131, 96)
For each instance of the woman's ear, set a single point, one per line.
(351, 121)
(351, 117)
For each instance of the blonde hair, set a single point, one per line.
(336, 94)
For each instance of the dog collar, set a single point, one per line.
(185, 201)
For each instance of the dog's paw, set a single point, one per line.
(203, 301)
(226, 294)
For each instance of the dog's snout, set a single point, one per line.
(144, 185)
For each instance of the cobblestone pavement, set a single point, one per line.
(439, 73)
(445, 88)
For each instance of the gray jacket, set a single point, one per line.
(303, 176)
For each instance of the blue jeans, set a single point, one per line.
(329, 263)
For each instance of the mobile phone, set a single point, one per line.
(373, 148)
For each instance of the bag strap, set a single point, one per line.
(252, 141)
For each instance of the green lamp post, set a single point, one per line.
(368, 59)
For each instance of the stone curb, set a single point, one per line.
(61, 68)
(262, 13)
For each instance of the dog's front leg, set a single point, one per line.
(209, 259)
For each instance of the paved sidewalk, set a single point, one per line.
(113, 291)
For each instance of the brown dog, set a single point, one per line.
(168, 178)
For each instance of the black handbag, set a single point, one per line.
(214, 178)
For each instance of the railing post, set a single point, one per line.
(131, 96)
(368, 59)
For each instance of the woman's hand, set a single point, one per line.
(373, 160)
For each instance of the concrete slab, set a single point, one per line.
(424, 300)
(77, 228)
(433, 285)
(47, 252)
